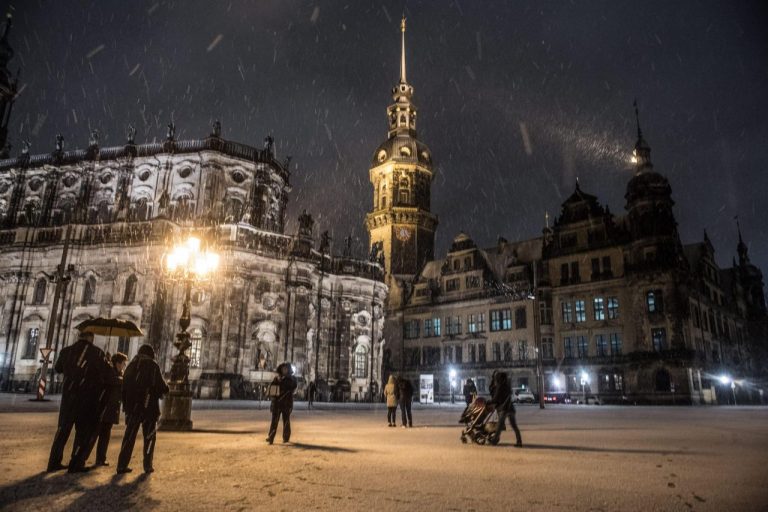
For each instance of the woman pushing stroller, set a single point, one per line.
(501, 400)
(479, 414)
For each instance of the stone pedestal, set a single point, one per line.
(177, 408)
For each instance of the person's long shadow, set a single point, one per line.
(597, 449)
(219, 431)
(38, 485)
(322, 448)
(109, 496)
(115, 495)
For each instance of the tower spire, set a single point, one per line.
(641, 156)
(741, 248)
(637, 120)
(402, 54)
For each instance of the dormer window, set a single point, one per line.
(382, 155)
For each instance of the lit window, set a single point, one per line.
(598, 303)
(615, 344)
(567, 312)
(33, 340)
(195, 351)
(659, 337)
(361, 361)
(613, 308)
(581, 311)
(582, 345)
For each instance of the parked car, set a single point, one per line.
(589, 400)
(523, 396)
(557, 398)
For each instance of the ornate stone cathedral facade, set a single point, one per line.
(274, 298)
(616, 305)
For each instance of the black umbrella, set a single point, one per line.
(110, 327)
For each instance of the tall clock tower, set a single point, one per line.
(400, 223)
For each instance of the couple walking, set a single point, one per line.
(399, 391)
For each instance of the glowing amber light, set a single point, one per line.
(188, 258)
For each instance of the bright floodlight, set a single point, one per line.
(584, 376)
(188, 258)
(725, 379)
(556, 382)
(452, 373)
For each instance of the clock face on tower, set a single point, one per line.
(403, 234)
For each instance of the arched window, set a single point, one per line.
(40, 288)
(129, 297)
(104, 212)
(361, 361)
(89, 291)
(234, 210)
(195, 351)
(663, 380)
(143, 209)
(33, 340)
(405, 192)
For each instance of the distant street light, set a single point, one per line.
(584, 382)
(186, 263)
(452, 374)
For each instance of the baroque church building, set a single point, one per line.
(601, 305)
(102, 218)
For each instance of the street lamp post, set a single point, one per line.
(453, 384)
(725, 379)
(584, 382)
(534, 296)
(186, 263)
(61, 277)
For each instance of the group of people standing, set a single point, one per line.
(399, 391)
(94, 388)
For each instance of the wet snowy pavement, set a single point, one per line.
(575, 458)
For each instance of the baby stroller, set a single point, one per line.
(480, 419)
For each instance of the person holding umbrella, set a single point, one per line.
(86, 374)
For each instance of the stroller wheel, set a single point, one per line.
(463, 439)
(480, 439)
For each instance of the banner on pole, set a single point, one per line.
(426, 389)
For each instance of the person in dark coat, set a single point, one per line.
(143, 386)
(311, 391)
(86, 373)
(502, 401)
(405, 391)
(282, 404)
(469, 391)
(110, 414)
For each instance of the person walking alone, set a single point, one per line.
(391, 395)
(311, 391)
(469, 391)
(111, 407)
(86, 373)
(282, 403)
(502, 401)
(143, 386)
(405, 390)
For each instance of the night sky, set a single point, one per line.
(317, 75)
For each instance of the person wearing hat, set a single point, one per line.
(86, 374)
(143, 386)
(282, 403)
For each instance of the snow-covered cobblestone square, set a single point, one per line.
(345, 458)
